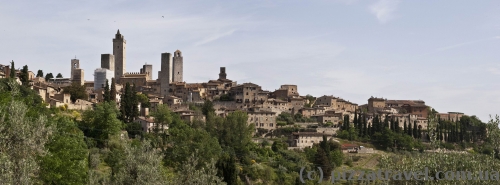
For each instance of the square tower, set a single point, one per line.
(108, 61)
(75, 64)
(177, 67)
(119, 53)
(148, 70)
(165, 74)
(222, 74)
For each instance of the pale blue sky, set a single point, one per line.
(443, 52)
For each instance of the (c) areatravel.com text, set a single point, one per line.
(386, 175)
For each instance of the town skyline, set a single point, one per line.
(320, 62)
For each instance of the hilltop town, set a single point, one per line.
(262, 106)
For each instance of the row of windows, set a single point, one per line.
(262, 124)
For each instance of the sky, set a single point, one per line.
(446, 53)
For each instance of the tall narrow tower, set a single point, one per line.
(222, 74)
(165, 74)
(119, 51)
(177, 67)
(75, 64)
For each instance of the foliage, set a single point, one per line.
(141, 165)
(129, 104)
(144, 100)
(12, 70)
(112, 91)
(59, 75)
(49, 76)
(101, 123)
(76, 91)
(39, 73)
(22, 140)
(285, 117)
(24, 76)
(66, 162)
(227, 168)
(185, 140)
(191, 174)
(106, 96)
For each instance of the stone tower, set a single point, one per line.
(119, 52)
(165, 74)
(108, 61)
(222, 74)
(147, 69)
(75, 64)
(177, 67)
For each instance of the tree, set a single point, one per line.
(27, 139)
(141, 165)
(207, 108)
(227, 168)
(415, 129)
(101, 123)
(112, 92)
(405, 128)
(24, 77)
(410, 130)
(67, 159)
(39, 73)
(191, 174)
(48, 76)
(236, 133)
(144, 100)
(129, 104)
(346, 122)
(76, 91)
(106, 96)
(184, 140)
(12, 70)
(59, 75)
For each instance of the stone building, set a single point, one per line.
(245, 94)
(262, 119)
(119, 53)
(177, 67)
(450, 116)
(306, 139)
(148, 70)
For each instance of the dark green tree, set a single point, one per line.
(410, 130)
(67, 159)
(101, 123)
(12, 70)
(144, 100)
(48, 76)
(76, 91)
(106, 95)
(346, 122)
(59, 75)
(129, 104)
(39, 73)
(24, 76)
(405, 128)
(112, 91)
(415, 129)
(226, 169)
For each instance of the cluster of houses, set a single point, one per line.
(262, 106)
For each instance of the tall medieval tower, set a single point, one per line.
(177, 67)
(119, 51)
(75, 64)
(165, 74)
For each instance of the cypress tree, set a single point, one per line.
(39, 73)
(106, 95)
(405, 129)
(355, 121)
(415, 129)
(134, 103)
(12, 70)
(346, 122)
(419, 134)
(112, 92)
(24, 77)
(410, 130)
(365, 126)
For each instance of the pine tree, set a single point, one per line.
(48, 76)
(12, 70)
(59, 75)
(112, 92)
(106, 95)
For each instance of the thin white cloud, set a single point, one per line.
(465, 43)
(494, 70)
(384, 9)
(214, 37)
